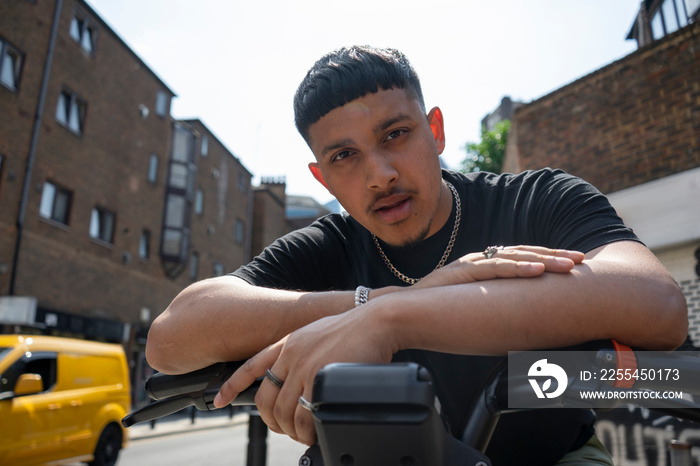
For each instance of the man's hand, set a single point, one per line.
(509, 262)
(354, 337)
(296, 359)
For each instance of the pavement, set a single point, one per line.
(183, 421)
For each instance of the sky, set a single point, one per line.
(236, 65)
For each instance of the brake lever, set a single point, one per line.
(172, 393)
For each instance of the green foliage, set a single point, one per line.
(488, 154)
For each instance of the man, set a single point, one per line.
(403, 275)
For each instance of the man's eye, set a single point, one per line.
(394, 134)
(341, 155)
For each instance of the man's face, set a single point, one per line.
(379, 157)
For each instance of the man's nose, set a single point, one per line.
(381, 172)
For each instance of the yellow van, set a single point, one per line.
(61, 400)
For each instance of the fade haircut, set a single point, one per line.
(348, 74)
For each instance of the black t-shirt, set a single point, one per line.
(545, 208)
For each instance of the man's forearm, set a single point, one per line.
(226, 319)
(600, 299)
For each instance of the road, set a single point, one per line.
(224, 446)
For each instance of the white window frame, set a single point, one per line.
(52, 196)
(153, 163)
(83, 32)
(205, 146)
(70, 111)
(102, 225)
(162, 104)
(145, 244)
(10, 59)
(199, 202)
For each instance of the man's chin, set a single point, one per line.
(407, 243)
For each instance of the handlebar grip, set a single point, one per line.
(162, 386)
(171, 393)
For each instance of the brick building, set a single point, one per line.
(108, 206)
(632, 129)
(269, 222)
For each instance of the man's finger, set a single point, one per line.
(245, 375)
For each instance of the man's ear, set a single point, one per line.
(316, 172)
(437, 126)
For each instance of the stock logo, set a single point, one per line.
(543, 370)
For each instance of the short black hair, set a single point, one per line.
(347, 74)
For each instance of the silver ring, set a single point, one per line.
(272, 378)
(491, 251)
(306, 404)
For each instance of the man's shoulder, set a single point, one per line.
(505, 178)
(339, 224)
(527, 179)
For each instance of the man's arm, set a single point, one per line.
(620, 292)
(226, 319)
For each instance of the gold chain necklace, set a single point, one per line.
(445, 255)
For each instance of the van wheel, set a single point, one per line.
(108, 446)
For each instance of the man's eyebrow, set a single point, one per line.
(336, 145)
(383, 125)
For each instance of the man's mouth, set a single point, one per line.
(393, 208)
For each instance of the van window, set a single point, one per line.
(42, 363)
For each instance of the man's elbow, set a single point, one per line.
(673, 319)
(158, 355)
(680, 312)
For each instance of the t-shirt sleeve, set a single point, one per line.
(574, 215)
(314, 258)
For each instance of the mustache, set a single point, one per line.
(379, 198)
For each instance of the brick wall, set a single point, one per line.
(269, 222)
(106, 166)
(629, 123)
(633, 121)
(691, 290)
(225, 184)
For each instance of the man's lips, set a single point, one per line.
(393, 208)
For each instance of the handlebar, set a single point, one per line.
(350, 398)
(172, 393)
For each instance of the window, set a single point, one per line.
(205, 145)
(242, 182)
(670, 18)
(218, 269)
(194, 266)
(672, 15)
(70, 111)
(198, 202)
(239, 232)
(153, 169)
(55, 203)
(174, 243)
(657, 26)
(692, 7)
(162, 104)
(145, 244)
(180, 194)
(102, 225)
(42, 363)
(83, 33)
(10, 65)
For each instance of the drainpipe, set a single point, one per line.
(32, 146)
